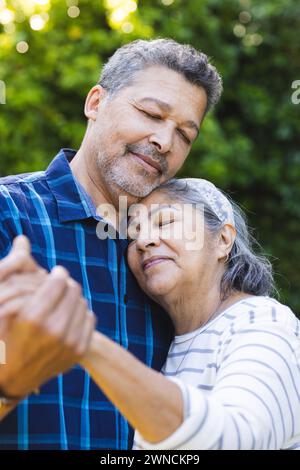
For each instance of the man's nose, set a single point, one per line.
(163, 139)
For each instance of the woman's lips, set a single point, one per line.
(150, 263)
(146, 165)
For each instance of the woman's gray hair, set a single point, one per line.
(120, 70)
(246, 270)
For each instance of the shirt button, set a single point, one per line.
(125, 299)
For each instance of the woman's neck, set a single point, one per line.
(195, 307)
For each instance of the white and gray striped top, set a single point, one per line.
(240, 379)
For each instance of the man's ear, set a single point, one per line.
(226, 240)
(93, 100)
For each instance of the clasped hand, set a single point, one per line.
(45, 322)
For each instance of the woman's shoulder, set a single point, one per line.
(261, 324)
(256, 311)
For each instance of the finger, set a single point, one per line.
(20, 284)
(48, 295)
(14, 292)
(77, 323)
(64, 315)
(21, 243)
(13, 307)
(19, 259)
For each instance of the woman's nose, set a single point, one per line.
(144, 242)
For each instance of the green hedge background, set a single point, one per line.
(249, 146)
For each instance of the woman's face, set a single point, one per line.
(171, 249)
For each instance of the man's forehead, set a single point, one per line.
(161, 80)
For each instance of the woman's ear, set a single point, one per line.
(93, 100)
(226, 239)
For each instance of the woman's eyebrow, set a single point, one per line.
(162, 206)
(131, 218)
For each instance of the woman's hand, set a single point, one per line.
(17, 290)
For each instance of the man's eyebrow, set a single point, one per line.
(167, 108)
(162, 104)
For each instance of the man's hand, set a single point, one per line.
(19, 259)
(44, 322)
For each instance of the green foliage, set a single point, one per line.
(249, 146)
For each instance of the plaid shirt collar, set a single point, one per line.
(72, 200)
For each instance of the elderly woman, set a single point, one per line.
(232, 376)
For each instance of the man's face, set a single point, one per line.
(141, 136)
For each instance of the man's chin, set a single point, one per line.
(133, 191)
(138, 188)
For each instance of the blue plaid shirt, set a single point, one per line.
(60, 220)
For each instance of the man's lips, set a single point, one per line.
(147, 162)
(154, 260)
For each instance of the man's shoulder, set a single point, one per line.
(22, 178)
(14, 190)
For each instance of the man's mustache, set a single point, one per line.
(149, 151)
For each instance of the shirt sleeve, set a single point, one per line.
(5, 243)
(255, 403)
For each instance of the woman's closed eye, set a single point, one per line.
(165, 218)
(165, 222)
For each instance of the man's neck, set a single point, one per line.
(84, 175)
(90, 180)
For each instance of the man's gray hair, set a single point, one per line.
(120, 70)
(245, 270)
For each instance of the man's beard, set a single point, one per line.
(138, 184)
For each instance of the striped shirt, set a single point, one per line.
(240, 380)
(60, 220)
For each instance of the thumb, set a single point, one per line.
(21, 243)
(19, 259)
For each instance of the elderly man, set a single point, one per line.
(143, 117)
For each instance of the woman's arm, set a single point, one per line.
(254, 404)
(151, 403)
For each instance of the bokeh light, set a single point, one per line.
(6, 16)
(167, 2)
(239, 30)
(245, 17)
(22, 47)
(119, 12)
(37, 22)
(73, 11)
(127, 27)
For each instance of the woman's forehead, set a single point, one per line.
(157, 197)
(155, 204)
